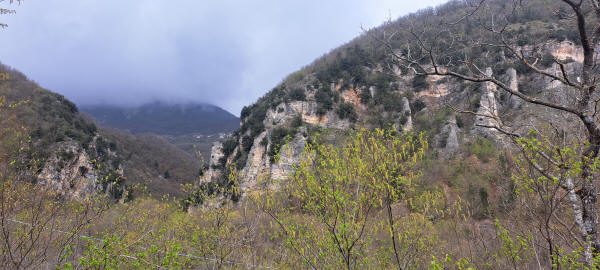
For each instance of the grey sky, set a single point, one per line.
(225, 52)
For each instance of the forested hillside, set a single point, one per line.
(165, 119)
(68, 152)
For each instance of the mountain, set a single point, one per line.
(165, 119)
(429, 142)
(362, 83)
(46, 139)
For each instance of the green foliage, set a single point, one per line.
(339, 190)
(418, 105)
(432, 122)
(279, 137)
(245, 112)
(297, 94)
(228, 148)
(419, 83)
(483, 148)
(247, 143)
(365, 96)
(324, 97)
(296, 121)
(346, 111)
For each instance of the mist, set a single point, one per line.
(226, 53)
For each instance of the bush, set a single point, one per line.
(483, 148)
(393, 102)
(245, 112)
(419, 83)
(247, 143)
(279, 137)
(228, 146)
(418, 105)
(324, 98)
(296, 122)
(365, 95)
(346, 111)
(297, 94)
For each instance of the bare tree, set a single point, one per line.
(462, 46)
(7, 11)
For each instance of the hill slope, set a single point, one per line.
(361, 83)
(59, 147)
(165, 119)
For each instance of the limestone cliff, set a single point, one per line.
(71, 171)
(284, 120)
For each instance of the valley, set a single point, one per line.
(444, 139)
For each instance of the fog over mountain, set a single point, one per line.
(226, 53)
(164, 119)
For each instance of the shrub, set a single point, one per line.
(279, 137)
(297, 94)
(418, 105)
(324, 98)
(296, 122)
(245, 112)
(483, 148)
(346, 111)
(419, 83)
(228, 146)
(365, 95)
(247, 143)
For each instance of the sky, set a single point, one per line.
(223, 52)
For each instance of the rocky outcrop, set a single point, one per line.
(216, 153)
(447, 140)
(308, 111)
(405, 122)
(71, 172)
(288, 156)
(257, 164)
(488, 113)
(511, 100)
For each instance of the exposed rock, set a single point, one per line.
(257, 163)
(308, 111)
(405, 115)
(435, 89)
(397, 71)
(216, 153)
(288, 156)
(565, 50)
(447, 140)
(70, 172)
(372, 91)
(513, 101)
(351, 96)
(487, 114)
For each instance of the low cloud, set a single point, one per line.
(227, 52)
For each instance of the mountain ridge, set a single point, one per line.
(165, 118)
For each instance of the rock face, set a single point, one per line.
(289, 155)
(447, 140)
(308, 111)
(513, 101)
(488, 112)
(216, 153)
(259, 164)
(405, 116)
(429, 108)
(71, 172)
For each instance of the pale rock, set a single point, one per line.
(216, 153)
(487, 114)
(406, 112)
